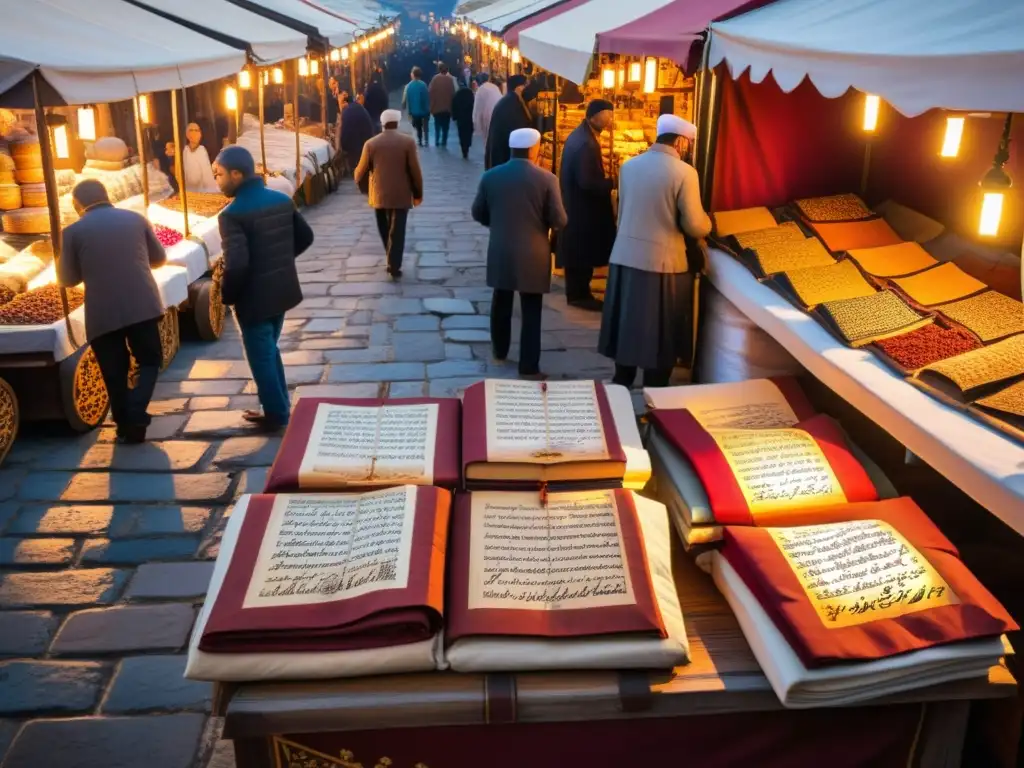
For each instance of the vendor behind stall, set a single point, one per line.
(195, 162)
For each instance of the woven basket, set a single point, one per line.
(26, 155)
(7, 177)
(33, 195)
(27, 221)
(6, 163)
(29, 176)
(10, 197)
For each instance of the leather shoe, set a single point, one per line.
(590, 304)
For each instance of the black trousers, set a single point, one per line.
(128, 406)
(465, 137)
(391, 225)
(530, 305)
(422, 126)
(626, 375)
(442, 122)
(577, 283)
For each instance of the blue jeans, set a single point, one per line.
(260, 343)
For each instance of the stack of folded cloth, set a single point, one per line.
(750, 453)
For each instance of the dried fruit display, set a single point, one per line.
(846, 207)
(201, 203)
(927, 345)
(40, 306)
(167, 236)
(6, 294)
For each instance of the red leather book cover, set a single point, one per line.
(286, 474)
(734, 504)
(619, 600)
(848, 613)
(286, 595)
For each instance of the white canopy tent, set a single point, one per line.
(365, 14)
(501, 14)
(269, 41)
(106, 50)
(915, 54)
(332, 25)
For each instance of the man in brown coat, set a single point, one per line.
(396, 184)
(442, 91)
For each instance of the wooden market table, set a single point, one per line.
(719, 710)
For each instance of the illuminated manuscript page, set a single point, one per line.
(320, 548)
(861, 571)
(542, 423)
(754, 404)
(365, 446)
(779, 468)
(567, 555)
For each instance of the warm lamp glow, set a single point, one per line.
(144, 108)
(245, 80)
(504, 48)
(472, 33)
(303, 68)
(391, 31)
(278, 76)
(634, 71)
(336, 55)
(487, 38)
(365, 45)
(954, 133)
(872, 104)
(608, 78)
(266, 77)
(87, 123)
(991, 213)
(344, 54)
(494, 43)
(516, 58)
(231, 99)
(622, 76)
(60, 142)
(314, 66)
(650, 75)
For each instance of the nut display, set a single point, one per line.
(167, 236)
(201, 203)
(40, 306)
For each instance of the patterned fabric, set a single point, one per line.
(847, 207)
(991, 315)
(988, 365)
(1009, 400)
(788, 230)
(745, 220)
(833, 282)
(946, 282)
(867, 318)
(782, 255)
(893, 260)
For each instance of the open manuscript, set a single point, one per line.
(868, 601)
(335, 444)
(521, 433)
(326, 585)
(577, 580)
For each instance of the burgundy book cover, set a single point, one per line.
(461, 621)
(284, 474)
(474, 427)
(728, 504)
(379, 619)
(757, 559)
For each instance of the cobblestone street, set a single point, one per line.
(106, 550)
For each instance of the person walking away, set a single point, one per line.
(113, 251)
(334, 108)
(356, 130)
(396, 185)
(442, 91)
(463, 105)
(262, 234)
(520, 203)
(510, 114)
(375, 99)
(587, 193)
(649, 312)
(487, 97)
(417, 100)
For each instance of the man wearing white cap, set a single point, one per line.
(648, 315)
(396, 184)
(520, 203)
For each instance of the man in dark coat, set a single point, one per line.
(462, 113)
(262, 235)
(356, 130)
(510, 114)
(587, 193)
(375, 99)
(520, 203)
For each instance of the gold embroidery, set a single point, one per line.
(833, 282)
(792, 255)
(868, 318)
(846, 207)
(291, 754)
(788, 230)
(990, 315)
(987, 365)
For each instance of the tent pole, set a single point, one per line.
(711, 121)
(263, 143)
(866, 170)
(179, 160)
(324, 91)
(295, 118)
(139, 135)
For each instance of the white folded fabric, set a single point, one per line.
(638, 463)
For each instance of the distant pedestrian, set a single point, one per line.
(487, 97)
(416, 99)
(113, 251)
(442, 91)
(375, 99)
(356, 130)
(520, 203)
(396, 185)
(510, 114)
(262, 234)
(462, 113)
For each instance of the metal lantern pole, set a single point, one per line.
(179, 160)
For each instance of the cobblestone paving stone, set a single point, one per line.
(106, 551)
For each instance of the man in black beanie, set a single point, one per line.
(587, 240)
(510, 114)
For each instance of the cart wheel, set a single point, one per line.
(82, 391)
(9, 418)
(170, 337)
(208, 310)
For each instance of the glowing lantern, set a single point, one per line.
(994, 185)
(954, 133)
(60, 142)
(516, 58)
(87, 123)
(244, 80)
(314, 66)
(303, 68)
(278, 76)
(608, 78)
(336, 55)
(650, 75)
(144, 108)
(872, 104)
(344, 54)
(231, 99)
(635, 70)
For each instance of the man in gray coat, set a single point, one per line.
(520, 203)
(113, 251)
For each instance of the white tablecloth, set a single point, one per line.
(280, 145)
(983, 463)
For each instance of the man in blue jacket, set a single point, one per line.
(417, 100)
(262, 234)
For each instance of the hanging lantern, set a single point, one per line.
(144, 108)
(314, 66)
(472, 33)
(516, 58)
(635, 71)
(391, 31)
(230, 99)
(365, 45)
(954, 133)
(336, 55)
(245, 80)
(994, 185)
(608, 78)
(622, 76)
(344, 54)
(303, 67)
(266, 77)
(872, 105)
(650, 75)
(87, 123)
(278, 76)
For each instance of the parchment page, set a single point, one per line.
(320, 548)
(368, 446)
(779, 468)
(543, 423)
(753, 404)
(566, 556)
(861, 571)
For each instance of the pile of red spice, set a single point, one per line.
(167, 236)
(927, 345)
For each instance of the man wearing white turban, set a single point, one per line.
(648, 315)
